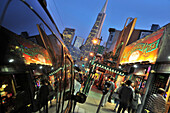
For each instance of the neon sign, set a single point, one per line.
(145, 49)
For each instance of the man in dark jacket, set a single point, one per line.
(126, 96)
(43, 95)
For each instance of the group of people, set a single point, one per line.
(129, 98)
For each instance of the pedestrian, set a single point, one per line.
(43, 95)
(110, 96)
(111, 88)
(126, 96)
(116, 96)
(132, 87)
(157, 103)
(135, 101)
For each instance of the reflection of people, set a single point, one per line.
(126, 96)
(157, 103)
(51, 93)
(111, 88)
(43, 95)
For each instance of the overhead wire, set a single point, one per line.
(55, 5)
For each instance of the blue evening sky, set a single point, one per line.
(82, 14)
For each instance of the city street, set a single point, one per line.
(52, 52)
(91, 104)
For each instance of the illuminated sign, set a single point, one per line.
(145, 49)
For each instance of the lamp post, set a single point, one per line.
(89, 82)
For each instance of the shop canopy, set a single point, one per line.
(114, 70)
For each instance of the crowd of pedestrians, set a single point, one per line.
(127, 97)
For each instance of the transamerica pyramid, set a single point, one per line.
(94, 33)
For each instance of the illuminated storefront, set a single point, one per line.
(148, 65)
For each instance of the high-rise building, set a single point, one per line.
(68, 35)
(111, 41)
(78, 42)
(95, 32)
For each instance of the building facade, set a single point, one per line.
(94, 33)
(68, 35)
(78, 42)
(111, 42)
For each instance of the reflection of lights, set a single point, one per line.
(120, 67)
(135, 66)
(168, 57)
(11, 60)
(40, 67)
(4, 86)
(16, 47)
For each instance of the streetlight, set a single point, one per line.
(86, 59)
(91, 54)
(95, 40)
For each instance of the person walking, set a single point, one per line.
(43, 95)
(157, 103)
(111, 88)
(132, 87)
(110, 96)
(116, 96)
(126, 96)
(135, 102)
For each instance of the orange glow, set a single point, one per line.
(86, 59)
(36, 60)
(94, 41)
(91, 54)
(145, 49)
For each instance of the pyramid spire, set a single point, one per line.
(104, 7)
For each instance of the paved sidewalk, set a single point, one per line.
(91, 104)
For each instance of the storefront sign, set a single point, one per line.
(145, 49)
